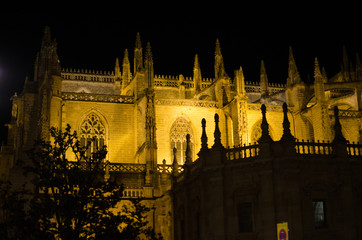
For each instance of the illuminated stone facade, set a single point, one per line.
(142, 116)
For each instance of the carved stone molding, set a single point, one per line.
(180, 102)
(97, 97)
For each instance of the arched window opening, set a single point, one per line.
(92, 133)
(180, 128)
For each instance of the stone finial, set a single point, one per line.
(240, 82)
(174, 163)
(148, 54)
(203, 135)
(217, 133)
(287, 135)
(117, 69)
(138, 56)
(317, 70)
(217, 47)
(197, 74)
(219, 63)
(138, 43)
(46, 36)
(338, 135)
(263, 80)
(188, 152)
(293, 74)
(264, 126)
(196, 61)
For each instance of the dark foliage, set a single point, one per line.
(71, 198)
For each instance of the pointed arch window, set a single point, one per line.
(92, 133)
(180, 128)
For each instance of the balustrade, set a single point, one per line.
(133, 193)
(242, 152)
(237, 153)
(312, 147)
(354, 149)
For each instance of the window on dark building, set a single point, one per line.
(182, 230)
(319, 208)
(198, 225)
(245, 217)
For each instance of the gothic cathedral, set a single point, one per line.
(144, 117)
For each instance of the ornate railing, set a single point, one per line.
(325, 148)
(242, 152)
(127, 167)
(354, 149)
(97, 97)
(133, 192)
(167, 168)
(312, 147)
(187, 102)
(237, 153)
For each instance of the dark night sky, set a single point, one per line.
(92, 39)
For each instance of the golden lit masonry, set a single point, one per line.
(233, 155)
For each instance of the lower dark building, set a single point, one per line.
(244, 192)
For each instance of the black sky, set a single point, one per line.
(93, 38)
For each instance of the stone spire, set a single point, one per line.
(219, 62)
(46, 37)
(242, 106)
(293, 73)
(338, 135)
(265, 137)
(174, 163)
(138, 56)
(197, 74)
(151, 145)
(323, 131)
(188, 152)
(318, 82)
(287, 135)
(240, 82)
(149, 67)
(126, 70)
(263, 80)
(117, 70)
(317, 70)
(47, 61)
(217, 133)
(203, 135)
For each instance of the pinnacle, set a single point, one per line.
(138, 44)
(196, 62)
(46, 36)
(317, 70)
(291, 56)
(217, 47)
(125, 57)
(148, 55)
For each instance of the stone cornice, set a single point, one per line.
(97, 97)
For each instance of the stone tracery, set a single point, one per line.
(93, 132)
(180, 128)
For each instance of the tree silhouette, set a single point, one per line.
(72, 199)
